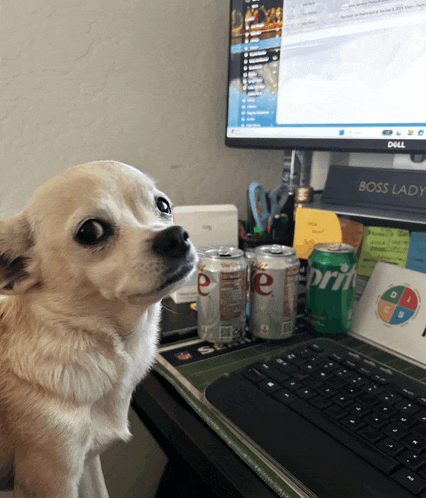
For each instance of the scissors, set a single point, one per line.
(259, 206)
(277, 199)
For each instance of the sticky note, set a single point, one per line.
(389, 245)
(314, 226)
(352, 233)
(416, 259)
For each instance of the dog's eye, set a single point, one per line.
(91, 232)
(163, 205)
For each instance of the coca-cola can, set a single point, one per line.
(222, 295)
(273, 292)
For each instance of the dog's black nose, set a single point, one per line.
(172, 242)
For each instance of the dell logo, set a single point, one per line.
(396, 145)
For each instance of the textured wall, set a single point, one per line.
(143, 82)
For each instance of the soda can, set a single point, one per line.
(332, 271)
(273, 292)
(222, 295)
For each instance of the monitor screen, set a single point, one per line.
(328, 75)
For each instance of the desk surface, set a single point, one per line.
(182, 433)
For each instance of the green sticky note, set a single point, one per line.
(389, 245)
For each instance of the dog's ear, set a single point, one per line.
(17, 268)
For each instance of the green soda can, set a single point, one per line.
(332, 271)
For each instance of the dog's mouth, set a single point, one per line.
(177, 275)
(170, 278)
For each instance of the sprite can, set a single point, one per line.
(332, 271)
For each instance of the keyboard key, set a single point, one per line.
(263, 367)
(353, 423)
(352, 355)
(278, 375)
(410, 480)
(309, 367)
(395, 430)
(370, 434)
(291, 357)
(367, 372)
(336, 357)
(387, 371)
(342, 400)
(336, 382)
(313, 382)
(299, 375)
(390, 447)
(358, 409)
(326, 391)
(405, 421)
(386, 410)
(320, 402)
(390, 397)
(411, 460)
(357, 380)
(368, 399)
(336, 412)
(369, 362)
(253, 375)
(268, 385)
(380, 379)
(407, 407)
(305, 393)
(286, 397)
(353, 365)
(381, 461)
(323, 375)
(350, 390)
(414, 442)
(314, 358)
(407, 393)
(342, 373)
(315, 347)
(373, 388)
(376, 420)
(422, 473)
(328, 366)
(420, 418)
(292, 384)
(303, 352)
(283, 364)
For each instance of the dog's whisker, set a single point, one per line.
(169, 309)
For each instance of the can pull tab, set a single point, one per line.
(276, 249)
(224, 252)
(336, 246)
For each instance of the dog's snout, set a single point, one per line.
(172, 242)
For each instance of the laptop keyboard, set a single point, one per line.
(374, 411)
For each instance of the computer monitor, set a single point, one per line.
(344, 75)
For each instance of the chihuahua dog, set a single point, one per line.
(82, 271)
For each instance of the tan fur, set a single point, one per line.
(78, 325)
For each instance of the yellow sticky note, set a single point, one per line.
(389, 245)
(314, 226)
